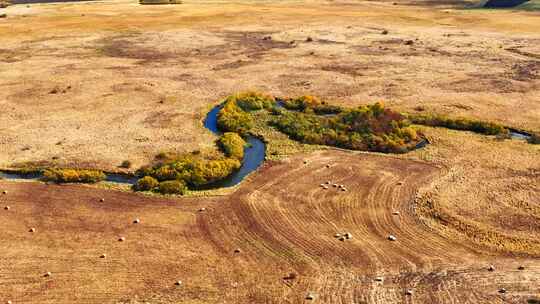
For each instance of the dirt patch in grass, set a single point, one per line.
(255, 45)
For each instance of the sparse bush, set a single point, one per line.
(146, 183)
(534, 139)
(172, 187)
(126, 164)
(232, 145)
(73, 175)
(464, 124)
(309, 104)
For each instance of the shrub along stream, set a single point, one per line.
(306, 119)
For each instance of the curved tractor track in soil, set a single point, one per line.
(241, 247)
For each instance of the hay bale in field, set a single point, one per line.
(202, 209)
(4, 192)
(392, 238)
(334, 185)
(6, 208)
(47, 274)
(409, 292)
(337, 235)
(400, 183)
(305, 162)
(395, 213)
(121, 239)
(103, 256)
(348, 236)
(136, 221)
(342, 238)
(101, 200)
(379, 279)
(178, 283)
(491, 268)
(3, 16)
(32, 230)
(9, 302)
(327, 166)
(237, 250)
(328, 182)
(157, 2)
(521, 267)
(291, 276)
(311, 296)
(325, 187)
(502, 290)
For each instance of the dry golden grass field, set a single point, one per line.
(94, 84)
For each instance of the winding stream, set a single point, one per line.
(254, 155)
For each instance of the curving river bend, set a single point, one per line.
(254, 155)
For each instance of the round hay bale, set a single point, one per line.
(384, 32)
(395, 213)
(325, 187)
(521, 267)
(32, 230)
(491, 268)
(327, 166)
(103, 256)
(328, 182)
(9, 302)
(47, 274)
(202, 209)
(409, 292)
(311, 296)
(305, 162)
(342, 238)
(7, 208)
(290, 276)
(343, 189)
(309, 39)
(101, 200)
(178, 283)
(392, 238)
(337, 235)
(237, 250)
(502, 290)
(334, 185)
(136, 221)
(348, 236)
(121, 239)
(4, 192)
(379, 279)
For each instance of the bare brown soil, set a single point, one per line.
(281, 221)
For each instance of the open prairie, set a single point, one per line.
(93, 84)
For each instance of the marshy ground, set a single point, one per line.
(95, 84)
